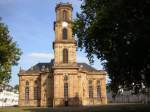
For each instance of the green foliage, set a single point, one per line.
(16, 87)
(9, 53)
(118, 33)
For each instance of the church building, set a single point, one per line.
(62, 81)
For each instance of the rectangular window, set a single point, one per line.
(27, 94)
(65, 90)
(98, 89)
(90, 89)
(36, 92)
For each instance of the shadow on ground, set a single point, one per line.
(102, 108)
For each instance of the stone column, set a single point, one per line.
(103, 90)
(43, 92)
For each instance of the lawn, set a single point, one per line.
(102, 108)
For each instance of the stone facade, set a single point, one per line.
(63, 81)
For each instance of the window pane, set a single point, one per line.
(98, 89)
(90, 89)
(65, 90)
(65, 15)
(90, 92)
(36, 93)
(65, 56)
(36, 90)
(64, 34)
(26, 93)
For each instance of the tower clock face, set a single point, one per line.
(64, 24)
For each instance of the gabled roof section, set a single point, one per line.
(87, 67)
(40, 67)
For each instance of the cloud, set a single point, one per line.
(30, 59)
(41, 55)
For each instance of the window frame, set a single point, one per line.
(66, 90)
(36, 91)
(98, 89)
(65, 55)
(91, 93)
(65, 15)
(64, 34)
(27, 91)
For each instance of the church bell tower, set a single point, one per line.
(64, 45)
(65, 66)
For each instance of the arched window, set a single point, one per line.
(65, 55)
(64, 33)
(36, 91)
(65, 15)
(98, 89)
(90, 89)
(27, 91)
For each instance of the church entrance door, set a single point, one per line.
(66, 103)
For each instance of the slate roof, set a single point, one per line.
(87, 67)
(39, 66)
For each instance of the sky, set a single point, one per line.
(30, 23)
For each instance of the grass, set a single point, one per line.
(102, 108)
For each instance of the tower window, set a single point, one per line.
(64, 15)
(64, 35)
(27, 91)
(65, 55)
(90, 89)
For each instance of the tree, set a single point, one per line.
(9, 53)
(16, 87)
(118, 33)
